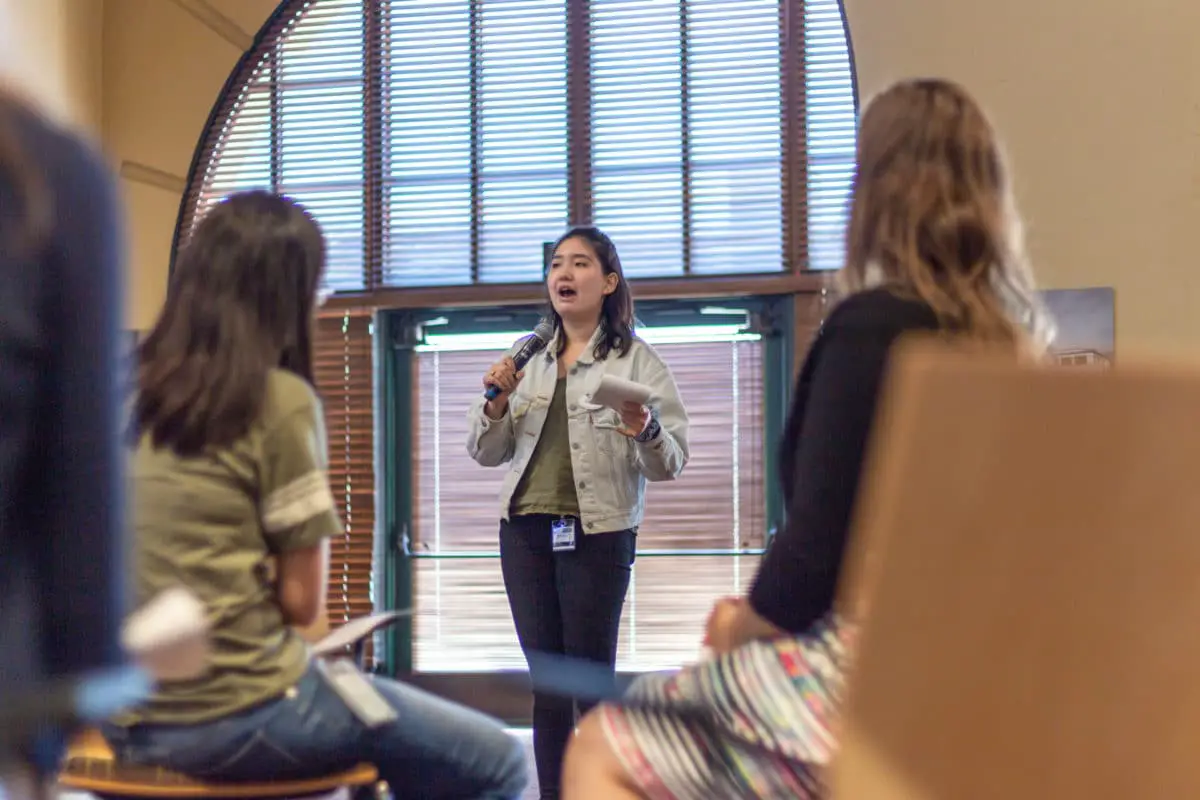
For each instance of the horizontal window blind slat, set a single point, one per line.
(712, 72)
(427, 180)
(719, 503)
(684, 142)
(830, 127)
(735, 140)
(523, 135)
(720, 492)
(515, 70)
(462, 621)
(325, 42)
(636, 133)
(339, 212)
(316, 156)
(344, 375)
(242, 157)
(320, 135)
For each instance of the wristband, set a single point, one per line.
(653, 428)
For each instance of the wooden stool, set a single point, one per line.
(90, 766)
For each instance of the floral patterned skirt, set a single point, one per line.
(753, 723)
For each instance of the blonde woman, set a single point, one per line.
(933, 244)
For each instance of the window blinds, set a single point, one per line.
(434, 139)
(691, 528)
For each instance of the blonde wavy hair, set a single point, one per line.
(932, 216)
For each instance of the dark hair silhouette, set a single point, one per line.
(241, 302)
(616, 315)
(27, 202)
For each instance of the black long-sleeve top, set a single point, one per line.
(833, 407)
(61, 485)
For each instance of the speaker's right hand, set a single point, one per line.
(505, 377)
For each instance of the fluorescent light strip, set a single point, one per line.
(683, 334)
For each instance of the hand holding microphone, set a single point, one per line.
(503, 376)
(499, 382)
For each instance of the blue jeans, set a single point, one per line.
(435, 749)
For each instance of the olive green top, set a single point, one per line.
(548, 485)
(212, 523)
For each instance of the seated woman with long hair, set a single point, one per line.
(933, 244)
(230, 478)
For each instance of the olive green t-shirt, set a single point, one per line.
(548, 483)
(212, 523)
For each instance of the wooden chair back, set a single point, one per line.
(1027, 550)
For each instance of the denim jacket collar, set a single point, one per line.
(588, 356)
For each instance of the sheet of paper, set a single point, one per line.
(171, 616)
(169, 635)
(614, 391)
(357, 629)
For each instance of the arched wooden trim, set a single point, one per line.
(227, 99)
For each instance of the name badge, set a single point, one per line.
(562, 535)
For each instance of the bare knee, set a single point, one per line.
(591, 768)
(589, 745)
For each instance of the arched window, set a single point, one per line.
(441, 142)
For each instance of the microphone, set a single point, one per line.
(542, 334)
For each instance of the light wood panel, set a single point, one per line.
(1033, 574)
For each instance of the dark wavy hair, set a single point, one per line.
(241, 302)
(616, 315)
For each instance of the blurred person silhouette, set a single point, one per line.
(933, 244)
(61, 480)
(574, 495)
(231, 499)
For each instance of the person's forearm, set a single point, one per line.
(749, 626)
(495, 409)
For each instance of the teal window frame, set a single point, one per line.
(397, 335)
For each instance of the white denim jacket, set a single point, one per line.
(610, 469)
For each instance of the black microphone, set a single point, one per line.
(542, 334)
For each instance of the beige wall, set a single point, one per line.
(53, 49)
(1099, 101)
(165, 62)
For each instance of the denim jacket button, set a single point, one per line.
(572, 407)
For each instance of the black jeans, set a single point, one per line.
(566, 603)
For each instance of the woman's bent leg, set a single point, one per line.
(592, 770)
(439, 749)
(434, 748)
(306, 732)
